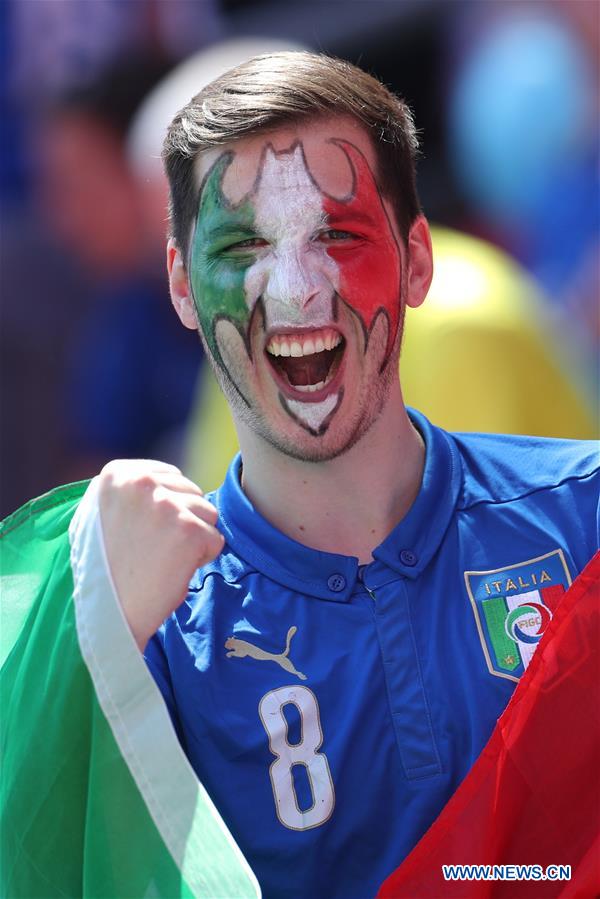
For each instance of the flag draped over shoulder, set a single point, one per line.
(533, 795)
(97, 797)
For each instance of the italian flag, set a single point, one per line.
(97, 796)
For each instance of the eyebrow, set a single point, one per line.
(226, 228)
(351, 215)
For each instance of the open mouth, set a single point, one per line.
(307, 362)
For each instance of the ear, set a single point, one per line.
(419, 261)
(179, 286)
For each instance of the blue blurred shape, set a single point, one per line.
(522, 105)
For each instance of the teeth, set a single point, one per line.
(326, 339)
(310, 388)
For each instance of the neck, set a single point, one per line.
(349, 504)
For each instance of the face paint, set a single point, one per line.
(294, 252)
(216, 277)
(296, 271)
(369, 273)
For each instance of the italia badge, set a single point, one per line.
(513, 607)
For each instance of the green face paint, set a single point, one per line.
(217, 274)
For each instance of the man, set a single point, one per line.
(334, 670)
(348, 615)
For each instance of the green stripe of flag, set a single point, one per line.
(97, 797)
(506, 650)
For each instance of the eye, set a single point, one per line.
(336, 234)
(251, 243)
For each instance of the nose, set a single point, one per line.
(293, 280)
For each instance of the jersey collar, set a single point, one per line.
(407, 550)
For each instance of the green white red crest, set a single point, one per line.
(513, 606)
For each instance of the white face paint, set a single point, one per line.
(293, 271)
(313, 414)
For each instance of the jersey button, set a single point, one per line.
(408, 557)
(336, 582)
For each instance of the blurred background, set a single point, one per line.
(94, 363)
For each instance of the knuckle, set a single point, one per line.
(144, 481)
(117, 468)
(108, 486)
(127, 478)
(166, 507)
(106, 481)
(109, 475)
(110, 468)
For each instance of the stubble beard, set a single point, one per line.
(315, 449)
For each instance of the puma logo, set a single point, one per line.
(239, 649)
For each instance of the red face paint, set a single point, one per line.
(370, 269)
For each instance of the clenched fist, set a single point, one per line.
(158, 529)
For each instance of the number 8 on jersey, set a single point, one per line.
(303, 753)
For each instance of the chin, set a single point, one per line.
(345, 429)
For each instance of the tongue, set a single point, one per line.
(302, 370)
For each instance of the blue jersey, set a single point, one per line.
(331, 709)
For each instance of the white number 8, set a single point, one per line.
(303, 753)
